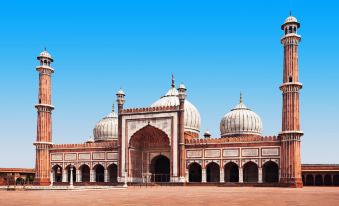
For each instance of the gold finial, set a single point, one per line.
(173, 85)
(241, 100)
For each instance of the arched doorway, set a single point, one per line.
(68, 169)
(303, 179)
(57, 172)
(143, 143)
(336, 180)
(19, 181)
(194, 172)
(160, 169)
(318, 180)
(99, 173)
(309, 180)
(270, 172)
(327, 180)
(250, 170)
(113, 173)
(231, 172)
(85, 173)
(213, 172)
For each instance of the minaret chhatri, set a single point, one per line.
(291, 132)
(44, 123)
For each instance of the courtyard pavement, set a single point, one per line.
(177, 196)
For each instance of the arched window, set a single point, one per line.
(290, 79)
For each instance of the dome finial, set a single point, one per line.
(290, 13)
(173, 85)
(241, 100)
(113, 107)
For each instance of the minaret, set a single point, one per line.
(44, 124)
(181, 115)
(122, 172)
(291, 132)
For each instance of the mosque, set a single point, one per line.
(161, 143)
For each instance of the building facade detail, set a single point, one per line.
(161, 143)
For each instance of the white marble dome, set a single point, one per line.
(291, 19)
(191, 113)
(107, 128)
(45, 54)
(239, 121)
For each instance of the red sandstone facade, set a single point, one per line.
(161, 143)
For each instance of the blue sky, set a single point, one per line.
(216, 48)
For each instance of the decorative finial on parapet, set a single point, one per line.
(113, 107)
(241, 100)
(173, 85)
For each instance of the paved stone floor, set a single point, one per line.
(324, 196)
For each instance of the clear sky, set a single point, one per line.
(216, 48)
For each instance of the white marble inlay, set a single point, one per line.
(230, 152)
(212, 153)
(194, 153)
(270, 152)
(250, 152)
(99, 156)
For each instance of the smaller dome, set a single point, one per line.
(207, 134)
(240, 121)
(182, 86)
(291, 19)
(90, 140)
(120, 92)
(107, 128)
(45, 54)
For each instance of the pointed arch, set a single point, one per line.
(160, 169)
(270, 172)
(250, 172)
(99, 172)
(85, 173)
(112, 170)
(194, 172)
(213, 172)
(231, 171)
(57, 172)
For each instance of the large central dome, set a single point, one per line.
(240, 121)
(191, 113)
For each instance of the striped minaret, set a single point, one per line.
(291, 132)
(44, 124)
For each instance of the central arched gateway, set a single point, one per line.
(160, 169)
(149, 152)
